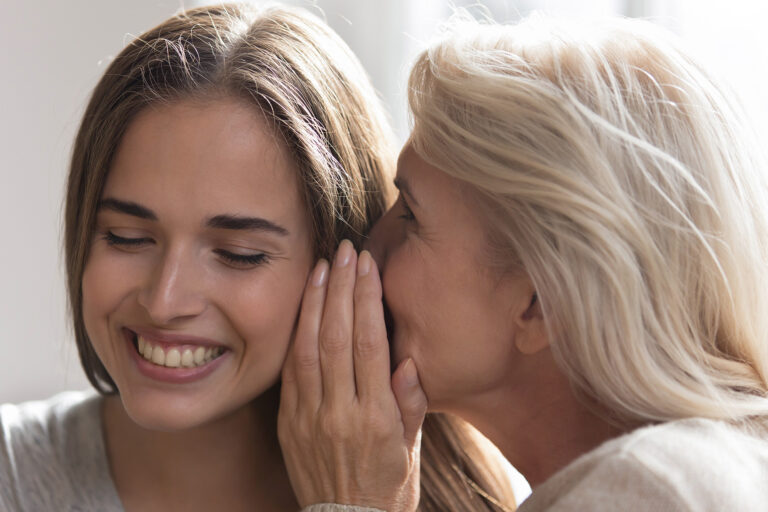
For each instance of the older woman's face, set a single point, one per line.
(451, 312)
(198, 262)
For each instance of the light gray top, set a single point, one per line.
(53, 458)
(681, 466)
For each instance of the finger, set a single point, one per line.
(288, 388)
(336, 362)
(304, 360)
(411, 399)
(371, 349)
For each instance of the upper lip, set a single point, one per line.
(155, 335)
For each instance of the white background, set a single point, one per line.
(52, 53)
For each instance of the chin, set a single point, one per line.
(161, 417)
(169, 411)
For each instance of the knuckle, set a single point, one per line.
(294, 428)
(377, 423)
(333, 340)
(305, 361)
(367, 343)
(302, 430)
(334, 426)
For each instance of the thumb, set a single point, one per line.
(411, 399)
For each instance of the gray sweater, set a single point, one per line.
(53, 458)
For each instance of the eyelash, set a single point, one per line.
(242, 260)
(408, 213)
(113, 239)
(230, 258)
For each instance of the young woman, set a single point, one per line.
(220, 155)
(575, 265)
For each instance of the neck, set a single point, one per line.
(231, 462)
(546, 426)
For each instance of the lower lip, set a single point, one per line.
(172, 375)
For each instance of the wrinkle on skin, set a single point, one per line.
(478, 340)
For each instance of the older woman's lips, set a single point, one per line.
(173, 358)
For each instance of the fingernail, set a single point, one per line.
(409, 374)
(364, 263)
(344, 253)
(320, 273)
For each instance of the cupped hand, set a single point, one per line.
(350, 432)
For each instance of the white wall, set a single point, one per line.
(52, 55)
(54, 51)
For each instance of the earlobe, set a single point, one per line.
(531, 334)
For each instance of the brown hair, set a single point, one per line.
(313, 92)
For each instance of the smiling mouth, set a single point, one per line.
(175, 356)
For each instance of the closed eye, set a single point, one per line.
(242, 261)
(113, 239)
(407, 214)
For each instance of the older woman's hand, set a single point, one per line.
(350, 433)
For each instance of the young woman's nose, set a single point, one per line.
(381, 238)
(173, 290)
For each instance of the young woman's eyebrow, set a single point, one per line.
(127, 207)
(403, 186)
(233, 222)
(238, 222)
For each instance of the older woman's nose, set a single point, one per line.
(172, 291)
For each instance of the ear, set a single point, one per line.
(530, 332)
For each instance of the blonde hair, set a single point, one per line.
(310, 88)
(627, 185)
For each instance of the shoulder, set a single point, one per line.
(45, 426)
(693, 464)
(46, 444)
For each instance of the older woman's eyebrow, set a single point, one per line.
(238, 222)
(403, 186)
(127, 207)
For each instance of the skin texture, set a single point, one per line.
(452, 314)
(477, 338)
(348, 435)
(188, 162)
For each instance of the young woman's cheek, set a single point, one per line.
(110, 278)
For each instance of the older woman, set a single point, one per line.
(575, 265)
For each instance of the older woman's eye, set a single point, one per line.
(242, 261)
(407, 214)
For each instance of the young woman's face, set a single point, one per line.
(198, 262)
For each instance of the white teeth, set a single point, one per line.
(187, 359)
(175, 358)
(158, 356)
(147, 351)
